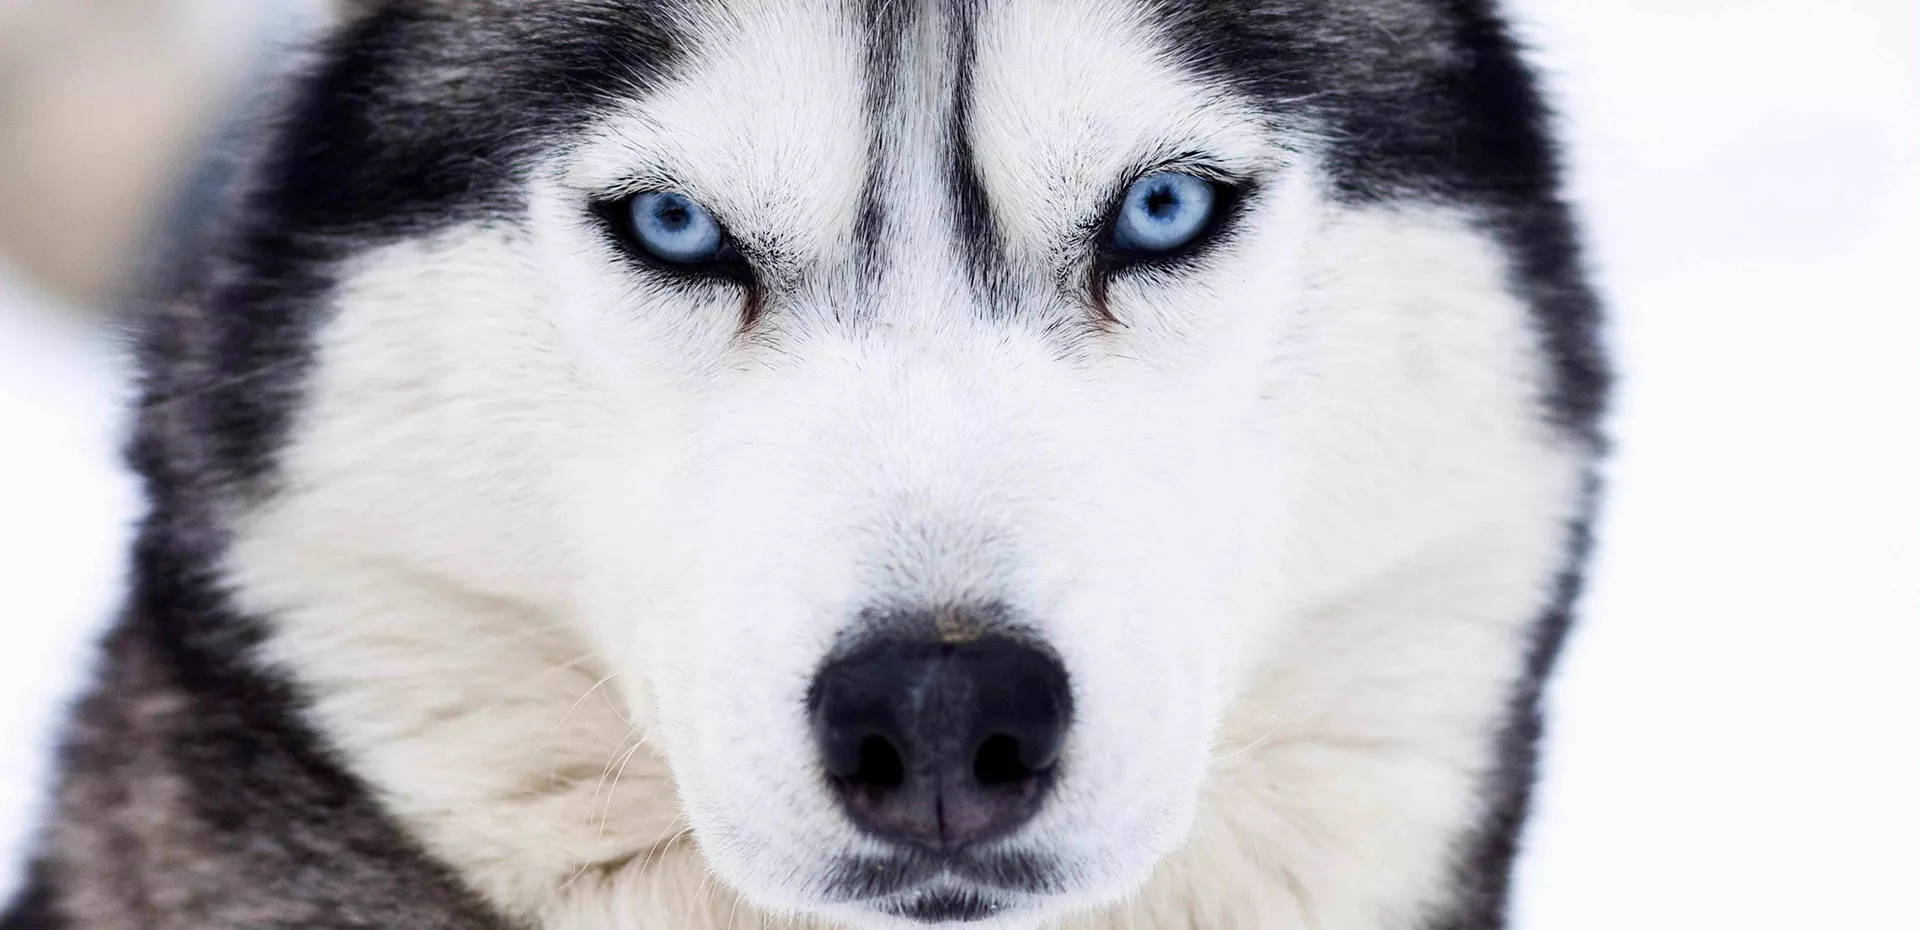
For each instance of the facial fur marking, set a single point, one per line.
(1311, 501)
(972, 208)
(887, 23)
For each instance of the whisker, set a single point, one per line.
(663, 842)
(563, 717)
(1278, 723)
(700, 891)
(607, 812)
(233, 381)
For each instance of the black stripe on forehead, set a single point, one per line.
(974, 225)
(887, 23)
(891, 24)
(417, 115)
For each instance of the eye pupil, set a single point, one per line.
(1163, 212)
(1161, 202)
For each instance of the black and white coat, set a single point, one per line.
(488, 563)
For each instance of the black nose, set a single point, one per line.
(941, 745)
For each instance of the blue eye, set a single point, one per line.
(1164, 211)
(676, 229)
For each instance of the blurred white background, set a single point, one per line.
(1734, 733)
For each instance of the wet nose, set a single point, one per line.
(941, 745)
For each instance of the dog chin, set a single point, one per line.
(947, 903)
(997, 890)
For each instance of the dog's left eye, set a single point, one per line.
(674, 228)
(1164, 211)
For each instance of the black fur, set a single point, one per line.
(1431, 102)
(946, 906)
(886, 22)
(416, 117)
(423, 113)
(1426, 102)
(973, 210)
(859, 878)
(1484, 863)
(34, 908)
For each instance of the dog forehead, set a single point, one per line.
(1067, 99)
(796, 116)
(764, 118)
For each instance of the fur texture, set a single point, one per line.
(488, 564)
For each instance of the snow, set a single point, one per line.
(66, 507)
(1734, 729)
(1733, 737)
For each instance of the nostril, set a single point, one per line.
(880, 764)
(997, 762)
(941, 745)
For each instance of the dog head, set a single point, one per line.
(924, 420)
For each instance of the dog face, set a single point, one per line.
(922, 425)
(930, 419)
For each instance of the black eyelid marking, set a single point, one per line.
(1232, 191)
(730, 267)
(614, 216)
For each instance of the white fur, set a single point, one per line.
(557, 550)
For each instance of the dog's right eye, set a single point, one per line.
(1164, 212)
(672, 232)
(673, 228)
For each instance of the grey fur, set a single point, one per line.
(195, 792)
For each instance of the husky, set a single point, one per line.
(831, 463)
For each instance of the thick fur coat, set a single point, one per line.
(491, 558)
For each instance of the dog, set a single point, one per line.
(1003, 463)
